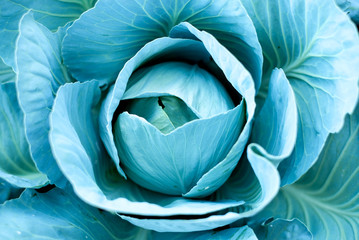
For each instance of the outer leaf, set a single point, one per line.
(281, 229)
(6, 73)
(326, 198)
(59, 214)
(275, 127)
(317, 46)
(113, 31)
(51, 13)
(183, 225)
(80, 154)
(16, 164)
(256, 181)
(242, 233)
(40, 73)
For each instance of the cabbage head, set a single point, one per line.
(178, 119)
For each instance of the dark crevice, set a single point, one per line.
(160, 103)
(45, 189)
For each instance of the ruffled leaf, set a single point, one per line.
(51, 13)
(326, 198)
(40, 73)
(59, 214)
(275, 127)
(113, 31)
(81, 156)
(317, 46)
(16, 164)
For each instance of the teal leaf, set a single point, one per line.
(255, 181)
(183, 225)
(185, 49)
(344, 4)
(59, 214)
(113, 31)
(5, 189)
(155, 50)
(282, 229)
(326, 198)
(6, 73)
(354, 10)
(52, 14)
(198, 88)
(40, 73)
(351, 7)
(275, 126)
(165, 113)
(8, 191)
(16, 164)
(240, 233)
(84, 161)
(317, 46)
(173, 163)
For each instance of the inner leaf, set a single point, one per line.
(166, 113)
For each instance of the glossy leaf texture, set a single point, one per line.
(40, 73)
(16, 164)
(52, 14)
(317, 46)
(326, 198)
(113, 31)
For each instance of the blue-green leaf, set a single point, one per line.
(59, 214)
(275, 126)
(6, 73)
(182, 224)
(113, 31)
(184, 49)
(16, 164)
(5, 189)
(235, 233)
(199, 89)
(81, 156)
(326, 198)
(51, 13)
(166, 113)
(351, 7)
(282, 229)
(240, 233)
(317, 46)
(40, 73)
(175, 162)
